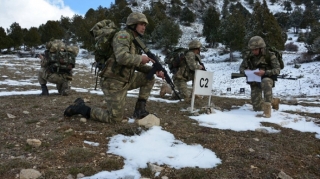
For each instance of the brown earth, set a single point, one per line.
(64, 152)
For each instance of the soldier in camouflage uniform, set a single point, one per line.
(256, 59)
(120, 76)
(187, 69)
(49, 74)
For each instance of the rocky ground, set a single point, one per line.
(63, 153)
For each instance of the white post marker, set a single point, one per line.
(202, 85)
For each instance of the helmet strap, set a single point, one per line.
(133, 28)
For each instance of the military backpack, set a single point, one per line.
(277, 53)
(103, 33)
(174, 59)
(59, 57)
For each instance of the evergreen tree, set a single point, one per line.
(118, 14)
(232, 31)
(3, 37)
(175, 11)
(51, 29)
(5, 41)
(32, 37)
(316, 2)
(151, 25)
(316, 45)
(283, 20)
(287, 6)
(158, 12)
(65, 23)
(16, 34)
(211, 23)
(310, 16)
(273, 1)
(264, 24)
(176, 2)
(296, 18)
(254, 24)
(297, 2)
(251, 2)
(189, 1)
(81, 28)
(238, 6)
(187, 16)
(224, 11)
(166, 34)
(313, 34)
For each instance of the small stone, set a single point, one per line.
(34, 142)
(83, 120)
(149, 121)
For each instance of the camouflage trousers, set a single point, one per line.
(60, 80)
(182, 87)
(115, 94)
(257, 89)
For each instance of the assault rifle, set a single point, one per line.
(239, 75)
(98, 66)
(156, 65)
(204, 68)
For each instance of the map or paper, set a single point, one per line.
(251, 77)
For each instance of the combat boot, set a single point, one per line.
(275, 103)
(44, 89)
(266, 109)
(140, 109)
(78, 107)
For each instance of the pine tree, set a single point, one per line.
(224, 11)
(5, 41)
(211, 23)
(264, 24)
(51, 29)
(310, 16)
(32, 37)
(296, 18)
(254, 24)
(283, 19)
(175, 11)
(187, 16)
(287, 6)
(16, 34)
(166, 34)
(313, 34)
(232, 31)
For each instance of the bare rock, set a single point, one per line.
(263, 130)
(154, 168)
(283, 175)
(149, 121)
(34, 142)
(29, 174)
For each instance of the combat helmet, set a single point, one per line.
(195, 44)
(135, 18)
(256, 42)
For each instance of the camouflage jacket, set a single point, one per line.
(253, 62)
(126, 58)
(187, 68)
